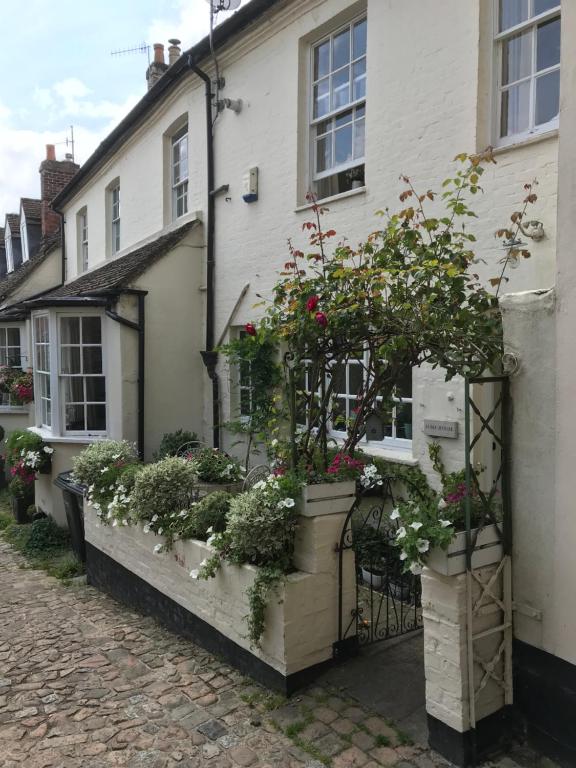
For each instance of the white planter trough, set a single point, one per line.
(301, 622)
(374, 579)
(452, 561)
(328, 498)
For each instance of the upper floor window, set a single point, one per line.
(338, 110)
(179, 164)
(115, 218)
(9, 251)
(24, 239)
(528, 47)
(82, 229)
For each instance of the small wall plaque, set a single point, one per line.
(441, 428)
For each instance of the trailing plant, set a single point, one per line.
(204, 518)
(27, 453)
(172, 442)
(266, 583)
(101, 457)
(17, 384)
(214, 466)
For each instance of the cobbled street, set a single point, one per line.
(86, 682)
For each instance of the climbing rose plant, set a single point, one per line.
(408, 295)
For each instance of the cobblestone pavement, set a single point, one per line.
(86, 682)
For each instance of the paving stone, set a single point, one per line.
(325, 714)
(213, 729)
(379, 727)
(385, 756)
(210, 750)
(350, 758)
(330, 745)
(243, 756)
(363, 740)
(343, 726)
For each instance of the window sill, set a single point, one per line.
(48, 437)
(333, 198)
(14, 409)
(525, 141)
(394, 455)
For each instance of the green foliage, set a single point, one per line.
(382, 741)
(66, 567)
(214, 466)
(162, 489)
(268, 580)
(45, 535)
(202, 519)
(21, 440)
(95, 465)
(173, 441)
(20, 488)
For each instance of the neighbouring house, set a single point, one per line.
(178, 223)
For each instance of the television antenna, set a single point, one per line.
(216, 6)
(223, 5)
(141, 48)
(69, 142)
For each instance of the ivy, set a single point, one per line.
(268, 580)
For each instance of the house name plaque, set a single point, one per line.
(441, 428)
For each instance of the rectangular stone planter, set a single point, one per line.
(301, 619)
(452, 561)
(327, 498)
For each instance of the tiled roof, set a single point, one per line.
(1, 236)
(32, 208)
(13, 219)
(121, 272)
(14, 280)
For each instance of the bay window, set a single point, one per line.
(69, 374)
(528, 65)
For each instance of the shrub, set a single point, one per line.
(45, 535)
(214, 466)
(173, 441)
(21, 440)
(206, 517)
(21, 488)
(109, 455)
(162, 489)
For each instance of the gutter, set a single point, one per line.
(210, 354)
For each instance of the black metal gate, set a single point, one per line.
(387, 600)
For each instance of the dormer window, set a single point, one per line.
(24, 239)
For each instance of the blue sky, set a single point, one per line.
(58, 71)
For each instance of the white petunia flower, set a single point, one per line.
(47, 449)
(416, 568)
(416, 526)
(114, 523)
(160, 531)
(210, 530)
(422, 545)
(395, 514)
(146, 528)
(105, 469)
(154, 518)
(157, 548)
(401, 533)
(445, 523)
(274, 443)
(194, 573)
(289, 503)
(403, 555)
(211, 539)
(442, 504)
(203, 563)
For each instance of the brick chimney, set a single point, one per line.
(54, 175)
(158, 66)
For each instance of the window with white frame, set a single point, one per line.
(69, 374)
(83, 385)
(244, 386)
(24, 239)
(179, 173)
(9, 251)
(348, 382)
(82, 229)
(42, 366)
(528, 66)
(10, 355)
(114, 194)
(338, 110)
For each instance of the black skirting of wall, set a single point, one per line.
(464, 749)
(104, 573)
(545, 696)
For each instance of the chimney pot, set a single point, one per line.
(173, 51)
(50, 152)
(158, 53)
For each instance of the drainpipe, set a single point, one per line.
(210, 355)
(140, 328)
(63, 244)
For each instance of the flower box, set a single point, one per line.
(327, 498)
(452, 561)
(206, 488)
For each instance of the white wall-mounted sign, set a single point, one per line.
(441, 428)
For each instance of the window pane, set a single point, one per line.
(96, 417)
(545, 5)
(359, 140)
(343, 145)
(386, 415)
(360, 39)
(3, 337)
(96, 389)
(516, 58)
(245, 406)
(70, 330)
(341, 88)
(71, 360)
(339, 414)
(13, 337)
(404, 386)
(74, 389)
(515, 110)
(324, 154)
(404, 421)
(343, 118)
(322, 60)
(322, 98)
(75, 418)
(339, 379)
(548, 44)
(92, 358)
(547, 97)
(359, 77)
(512, 12)
(341, 49)
(355, 378)
(91, 330)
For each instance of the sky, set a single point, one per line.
(57, 71)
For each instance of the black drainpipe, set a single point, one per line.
(210, 355)
(63, 245)
(140, 327)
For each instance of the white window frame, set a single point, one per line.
(499, 37)
(179, 188)
(4, 352)
(42, 375)
(9, 251)
(57, 379)
(82, 227)
(24, 239)
(313, 122)
(115, 218)
(392, 442)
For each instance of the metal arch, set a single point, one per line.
(190, 448)
(257, 473)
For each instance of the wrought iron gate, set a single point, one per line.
(387, 599)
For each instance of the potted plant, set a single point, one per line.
(216, 471)
(333, 491)
(27, 450)
(22, 387)
(21, 497)
(373, 552)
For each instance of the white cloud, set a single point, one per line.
(69, 98)
(190, 23)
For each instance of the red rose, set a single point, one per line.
(250, 329)
(321, 319)
(312, 303)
